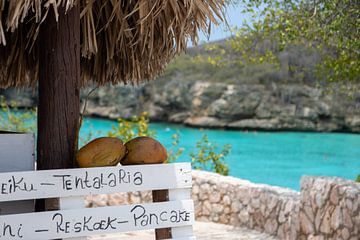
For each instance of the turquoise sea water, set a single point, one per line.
(276, 158)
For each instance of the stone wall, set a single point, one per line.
(329, 209)
(326, 208)
(238, 202)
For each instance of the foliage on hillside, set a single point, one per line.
(200, 66)
(326, 32)
(306, 42)
(218, 63)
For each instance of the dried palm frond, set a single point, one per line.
(126, 41)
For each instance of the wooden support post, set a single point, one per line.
(59, 82)
(161, 196)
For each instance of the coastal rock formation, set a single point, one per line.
(272, 107)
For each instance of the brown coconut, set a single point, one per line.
(144, 150)
(104, 151)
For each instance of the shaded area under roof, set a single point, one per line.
(122, 41)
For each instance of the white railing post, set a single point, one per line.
(17, 154)
(184, 232)
(67, 203)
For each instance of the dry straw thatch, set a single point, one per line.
(125, 41)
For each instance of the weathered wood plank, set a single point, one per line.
(86, 181)
(94, 221)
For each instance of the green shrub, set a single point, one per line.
(209, 158)
(174, 152)
(14, 120)
(129, 129)
(358, 179)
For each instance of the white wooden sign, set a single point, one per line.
(87, 181)
(17, 154)
(85, 222)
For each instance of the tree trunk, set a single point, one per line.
(59, 82)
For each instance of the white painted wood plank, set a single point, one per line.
(87, 181)
(183, 232)
(17, 152)
(179, 194)
(185, 238)
(95, 221)
(20, 149)
(67, 203)
(72, 203)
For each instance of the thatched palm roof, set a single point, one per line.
(122, 40)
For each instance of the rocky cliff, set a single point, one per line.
(271, 107)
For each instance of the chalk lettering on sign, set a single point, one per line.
(14, 185)
(138, 179)
(41, 230)
(84, 182)
(162, 216)
(86, 224)
(101, 180)
(8, 231)
(143, 218)
(47, 184)
(66, 182)
(19, 231)
(122, 222)
(112, 180)
(179, 216)
(125, 177)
